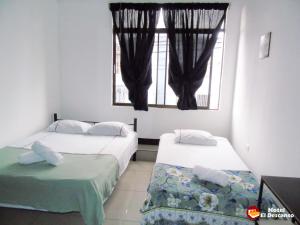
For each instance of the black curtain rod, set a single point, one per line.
(141, 6)
(195, 6)
(127, 5)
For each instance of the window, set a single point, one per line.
(160, 94)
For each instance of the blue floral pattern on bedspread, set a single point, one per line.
(177, 197)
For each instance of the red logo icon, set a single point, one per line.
(253, 212)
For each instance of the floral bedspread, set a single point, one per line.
(177, 197)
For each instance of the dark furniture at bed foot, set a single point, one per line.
(11, 216)
(286, 190)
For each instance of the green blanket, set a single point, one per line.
(81, 184)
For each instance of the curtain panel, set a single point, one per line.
(192, 31)
(135, 26)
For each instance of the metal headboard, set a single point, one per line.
(134, 124)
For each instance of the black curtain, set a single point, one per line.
(192, 31)
(135, 26)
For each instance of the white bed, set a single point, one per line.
(220, 157)
(121, 147)
(174, 180)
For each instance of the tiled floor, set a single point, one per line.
(122, 208)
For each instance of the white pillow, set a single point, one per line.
(69, 127)
(109, 129)
(195, 137)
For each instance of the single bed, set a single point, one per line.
(176, 196)
(82, 183)
(220, 157)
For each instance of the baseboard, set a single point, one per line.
(148, 141)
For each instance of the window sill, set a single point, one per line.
(163, 106)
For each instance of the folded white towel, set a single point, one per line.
(29, 157)
(215, 176)
(52, 157)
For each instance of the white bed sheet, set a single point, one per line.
(220, 157)
(121, 147)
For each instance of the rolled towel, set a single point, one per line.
(29, 158)
(52, 157)
(214, 176)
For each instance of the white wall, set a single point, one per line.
(86, 53)
(41, 39)
(29, 76)
(266, 105)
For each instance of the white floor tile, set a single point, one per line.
(133, 180)
(125, 205)
(141, 166)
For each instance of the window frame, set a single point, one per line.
(164, 30)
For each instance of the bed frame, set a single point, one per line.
(134, 124)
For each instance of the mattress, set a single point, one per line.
(219, 157)
(120, 147)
